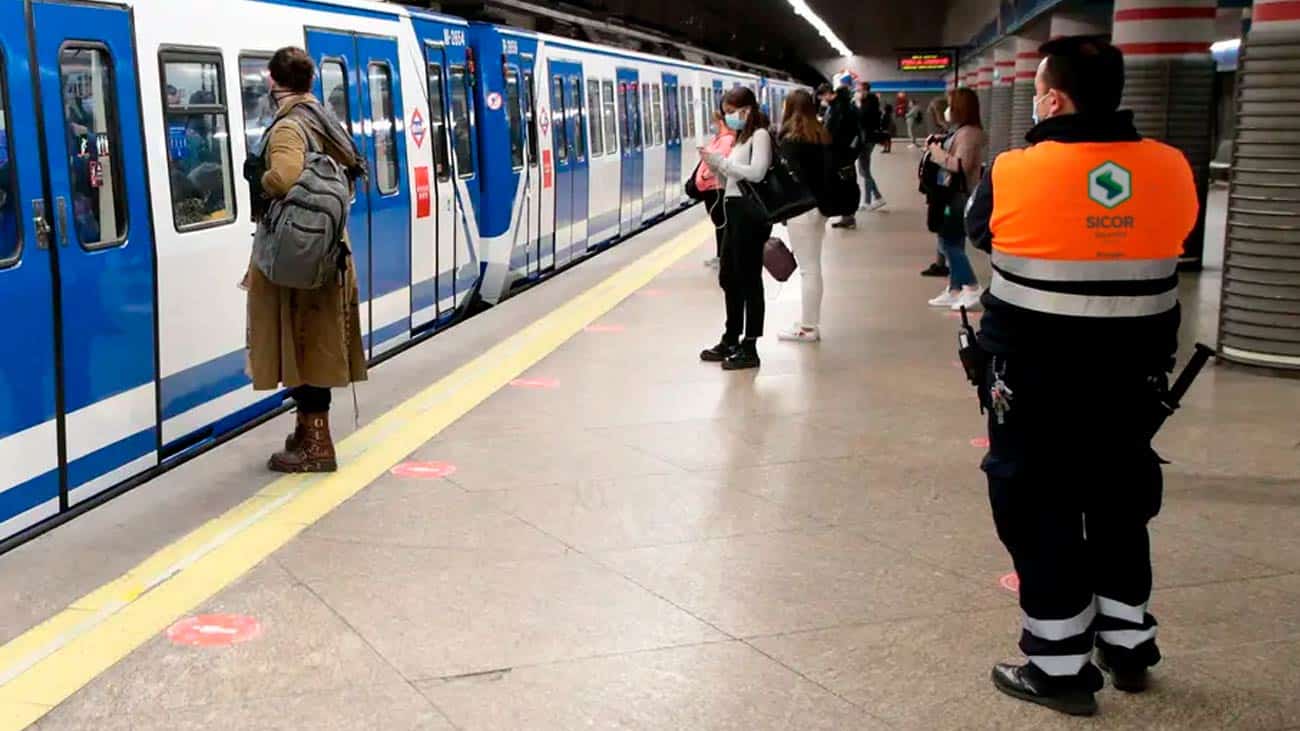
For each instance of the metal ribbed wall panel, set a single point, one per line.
(1171, 100)
(1000, 119)
(1259, 319)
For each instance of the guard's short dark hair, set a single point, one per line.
(1088, 69)
(824, 88)
(293, 69)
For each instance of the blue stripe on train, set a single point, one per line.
(25, 496)
(106, 459)
(200, 384)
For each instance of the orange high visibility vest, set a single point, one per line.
(1091, 229)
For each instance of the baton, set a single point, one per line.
(1173, 398)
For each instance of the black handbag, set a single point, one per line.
(692, 190)
(842, 192)
(779, 196)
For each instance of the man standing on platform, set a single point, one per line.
(1085, 228)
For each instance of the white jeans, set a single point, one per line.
(806, 233)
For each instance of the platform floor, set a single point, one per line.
(652, 543)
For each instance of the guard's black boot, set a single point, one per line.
(1028, 683)
(718, 353)
(743, 357)
(1127, 679)
(846, 222)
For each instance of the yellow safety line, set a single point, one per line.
(45, 665)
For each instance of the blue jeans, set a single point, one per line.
(960, 273)
(869, 188)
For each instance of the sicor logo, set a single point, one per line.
(1110, 185)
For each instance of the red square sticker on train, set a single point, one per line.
(423, 199)
(546, 168)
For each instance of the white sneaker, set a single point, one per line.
(862, 206)
(969, 298)
(800, 334)
(946, 298)
(877, 204)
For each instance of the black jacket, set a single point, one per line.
(1142, 342)
(810, 162)
(842, 122)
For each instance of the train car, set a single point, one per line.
(124, 224)
(582, 145)
(772, 96)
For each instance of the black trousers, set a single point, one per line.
(1073, 482)
(713, 204)
(311, 399)
(741, 270)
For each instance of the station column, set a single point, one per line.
(984, 86)
(1170, 84)
(1004, 73)
(1259, 317)
(1022, 91)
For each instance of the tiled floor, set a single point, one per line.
(657, 544)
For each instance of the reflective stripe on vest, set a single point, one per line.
(1058, 270)
(1081, 305)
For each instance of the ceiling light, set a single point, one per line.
(801, 8)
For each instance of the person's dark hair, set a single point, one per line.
(293, 69)
(864, 87)
(965, 106)
(738, 98)
(1087, 69)
(823, 89)
(799, 120)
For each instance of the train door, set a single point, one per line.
(531, 224)
(29, 440)
(672, 144)
(639, 145)
(576, 113)
(652, 131)
(561, 142)
(359, 81)
(442, 286)
(627, 159)
(102, 241)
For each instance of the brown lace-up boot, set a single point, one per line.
(292, 441)
(315, 452)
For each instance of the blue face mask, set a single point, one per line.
(734, 122)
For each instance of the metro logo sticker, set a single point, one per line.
(417, 127)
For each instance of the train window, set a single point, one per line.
(198, 139)
(462, 138)
(625, 117)
(579, 118)
(706, 112)
(558, 127)
(530, 114)
(10, 230)
(259, 108)
(516, 120)
(670, 103)
(90, 126)
(657, 113)
(383, 127)
(691, 121)
(611, 119)
(334, 87)
(645, 116)
(438, 123)
(594, 111)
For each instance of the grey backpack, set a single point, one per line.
(299, 242)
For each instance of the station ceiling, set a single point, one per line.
(760, 31)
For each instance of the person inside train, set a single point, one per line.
(309, 341)
(805, 147)
(745, 231)
(960, 157)
(709, 185)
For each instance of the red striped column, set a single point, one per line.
(1004, 74)
(984, 86)
(1022, 91)
(1259, 320)
(1169, 83)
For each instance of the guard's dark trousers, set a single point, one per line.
(1073, 482)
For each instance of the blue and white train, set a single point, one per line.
(124, 227)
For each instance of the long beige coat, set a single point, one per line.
(301, 337)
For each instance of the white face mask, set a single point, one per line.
(1037, 100)
(947, 115)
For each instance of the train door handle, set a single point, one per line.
(61, 208)
(41, 224)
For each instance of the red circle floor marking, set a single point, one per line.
(980, 442)
(972, 314)
(424, 470)
(1010, 582)
(214, 630)
(598, 328)
(535, 383)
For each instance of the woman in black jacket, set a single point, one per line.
(805, 146)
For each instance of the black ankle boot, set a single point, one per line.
(1028, 683)
(718, 353)
(1128, 679)
(743, 357)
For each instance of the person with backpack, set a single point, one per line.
(745, 231)
(302, 337)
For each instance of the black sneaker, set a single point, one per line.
(1028, 683)
(742, 358)
(846, 222)
(935, 270)
(717, 353)
(1129, 680)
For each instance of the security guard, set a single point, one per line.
(1085, 228)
